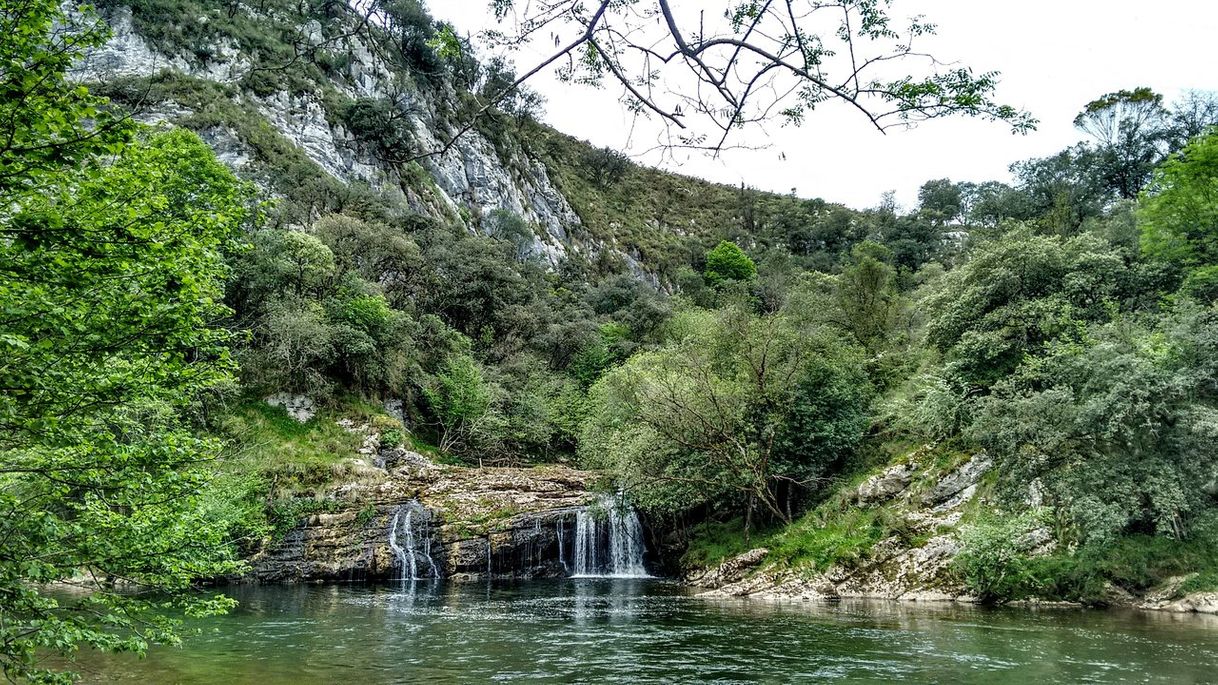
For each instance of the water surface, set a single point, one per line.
(640, 631)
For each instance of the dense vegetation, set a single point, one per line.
(732, 358)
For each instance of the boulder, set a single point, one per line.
(885, 485)
(965, 476)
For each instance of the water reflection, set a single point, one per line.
(621, 630)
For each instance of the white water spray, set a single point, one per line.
(608, 542)
(412, 523)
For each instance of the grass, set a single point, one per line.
(292, 457)
(277, 469)
(712, 542)
(836, 531)
(659, 216)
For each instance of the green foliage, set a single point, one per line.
(1201, 284)
(111, 286)
(734, 408)
(1179, 211)
(383, 124)
(995, 565)
(288, 457)
(1112, 427)
(713, 542)
(993, 560)
(1015, 318)
(1016, 296)
(867, 298)
(820, 540)
(727, 262)
(462, 402)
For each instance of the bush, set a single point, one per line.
(727, 262)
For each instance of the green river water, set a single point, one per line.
(647, 631)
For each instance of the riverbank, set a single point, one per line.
(907, 532)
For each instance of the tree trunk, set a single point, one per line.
(748, 519)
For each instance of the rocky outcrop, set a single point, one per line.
(733, 570)
(465, 183)
(931, 505)
(885, 485)
(1169, 597)
(502, 522)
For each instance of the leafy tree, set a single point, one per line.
(941, 201)
(727, 262)
(110, 289)
(868, 303)
(1062, 191)
(712, 417)
(384, 123)
(1179, 212)
(377, 253)
(462, 402)
(1114, 429)
(1191, 116)
(1017, 295)
(1130, 128)
(990, 203)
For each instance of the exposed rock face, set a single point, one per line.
(299, 407)
(502, 522)
(892, 569)
(1169, 598)
(884, 486)
(956, 483)
(471, 178)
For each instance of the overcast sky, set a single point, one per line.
(1054, 55)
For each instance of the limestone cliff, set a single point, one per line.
(465, 184)
(501, 522)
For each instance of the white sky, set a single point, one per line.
(1054, 55)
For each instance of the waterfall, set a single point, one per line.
(608, 542)
(562, 556)
(411, 525)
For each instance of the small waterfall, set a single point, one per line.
(608, 542)
(410, 541)
(562, 556)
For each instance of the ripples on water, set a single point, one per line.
(638, 631)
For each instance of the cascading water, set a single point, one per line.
(608, 541)
(410, 541)
(562, 556)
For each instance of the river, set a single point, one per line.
(639, 631)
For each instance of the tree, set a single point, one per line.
(1016, 296)
(1195, 113)
(1131, 130)
(1179, 212)
(111, 287)
(736, 409)
(462, 402)
(704, 75)
(868, 304)
(990, 203)
(727, 262)
(1117, 430)
(941, 201)
(1062, 191)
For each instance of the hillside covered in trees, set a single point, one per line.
(201, 215)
